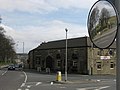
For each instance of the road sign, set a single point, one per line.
(102, 23)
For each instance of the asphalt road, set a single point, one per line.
(32, 80)
(106, 38)
(10, 80)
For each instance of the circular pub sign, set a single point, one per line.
(102, 23)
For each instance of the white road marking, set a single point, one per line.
(28, 86)
(26, 89)
(81, 88)
(51, 83)
(98, 80)
(102, 88)
(19, 89)
(93, 88)
(62, 87)
(23, 84)
(25, 77)
(38, 83)
(4, 73)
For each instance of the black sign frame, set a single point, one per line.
(88, 24)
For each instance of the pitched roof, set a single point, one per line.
(72, 43)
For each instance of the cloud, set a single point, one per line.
(25, 5)
(43, 27)
(43, 6)
(67, 4)
(49, 31)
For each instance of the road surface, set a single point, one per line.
(32, 80)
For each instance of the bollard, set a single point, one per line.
(59, 77)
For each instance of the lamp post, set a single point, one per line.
(66, 57)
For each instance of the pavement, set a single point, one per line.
(74, 81)
(82, 78)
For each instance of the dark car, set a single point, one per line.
(11, 67)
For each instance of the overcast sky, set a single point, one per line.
(35, 21)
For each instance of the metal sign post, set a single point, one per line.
(99, 33)
(117, 5)
(102, 24)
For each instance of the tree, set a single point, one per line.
(7, 51)
(94, 17)
(104, 17)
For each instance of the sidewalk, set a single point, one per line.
(75, 78)
(75, 81)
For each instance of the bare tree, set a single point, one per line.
(7, 51)
(104, 17)
(94, 17)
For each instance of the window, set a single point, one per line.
(99, 65)
(112, 65)
(111, 51)
(58, 56)
(58, 63)
(74, 56)
(75, 63)
(38, 60)
(100, 52)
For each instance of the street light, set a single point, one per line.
(66, 57)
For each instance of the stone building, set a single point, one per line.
(83, 57)
(21, 58)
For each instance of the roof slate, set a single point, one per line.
(72, 43)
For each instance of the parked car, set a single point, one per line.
(11, 67)
(16, 66)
